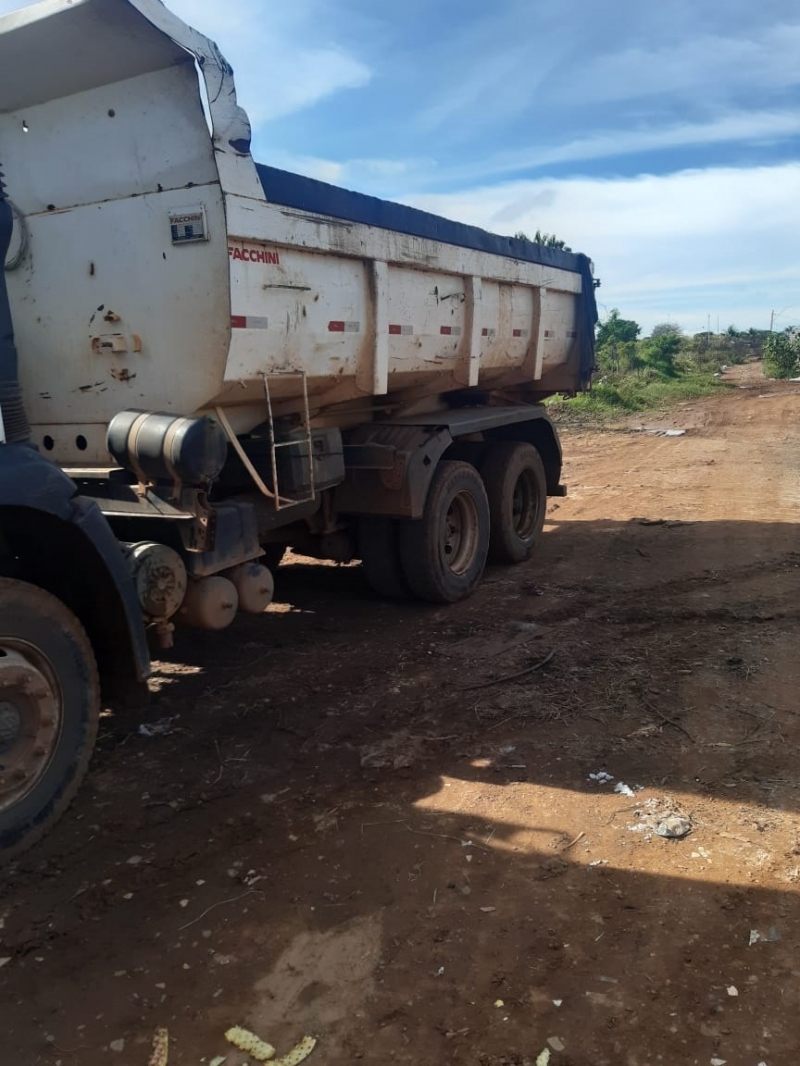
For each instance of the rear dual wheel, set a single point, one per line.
(516, 486)
(439, 557)
(469, 516)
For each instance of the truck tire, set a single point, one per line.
(49, 711)
(444, 552)
(516, 486)
(380, 557)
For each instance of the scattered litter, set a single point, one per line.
(134, 860)
(660, 817)
(117, 1045)
(556, 1043)
(672, 433)
(599, 862)
(557, 1002)
(297, 1054)
(601, 777)
(160, 1048)
(718, 1062)
(5, 961)
(251, 1044)
(674, 826)
(161, 728)
(701, 853)
(499, 1003)
(623, 789)
(543, 1058)
(219, 1060)
(768, 938)
(732, 990)
(440, 971)
(487, 910)
(184, 903)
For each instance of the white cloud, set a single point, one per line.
(719, 241)
(716, 65)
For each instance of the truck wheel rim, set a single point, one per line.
(460, 534)
(30, 719)
(524, 505)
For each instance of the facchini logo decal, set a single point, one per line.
(254, 255)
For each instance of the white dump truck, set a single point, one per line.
(204, 361)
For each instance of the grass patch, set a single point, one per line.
(632, 394)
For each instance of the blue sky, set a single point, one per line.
(661, 139)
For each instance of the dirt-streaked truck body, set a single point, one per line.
(226, 359)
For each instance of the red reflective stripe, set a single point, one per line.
(238, 321)
(336, 327)
(484, 332)
(446, 330)
(517, 333)
(395, 329)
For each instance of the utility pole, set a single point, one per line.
(771, 320)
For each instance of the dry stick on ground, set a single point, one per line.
(222, 902)
(509, 677)
(670, 721)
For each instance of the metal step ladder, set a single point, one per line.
(282, 502)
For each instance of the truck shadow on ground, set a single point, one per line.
(339, 832)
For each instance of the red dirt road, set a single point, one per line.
(343, 835)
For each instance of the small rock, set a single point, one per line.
(184, 903)
(134, 860)
(733, 990)
(556, 1043)
(117, 1045)
(488, 910)
(5, 961)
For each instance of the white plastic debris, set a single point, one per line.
(499, 1003)
(733, 990)
(543, 1058)
(623, 789)
(674, 826)
(601, 777)
(767, 938)
(718, 1062)
(557, 1002)
(599, 862)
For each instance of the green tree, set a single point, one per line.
(782, 355)
(617, 330)
(548, 240)
(666, 329)
(660, 351)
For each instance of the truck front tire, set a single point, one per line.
(444, 552)
(49, 711)
(516, 486)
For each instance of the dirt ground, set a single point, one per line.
(355, 822)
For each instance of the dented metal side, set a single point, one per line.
(151, 272)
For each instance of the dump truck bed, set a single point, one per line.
(156, 266)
